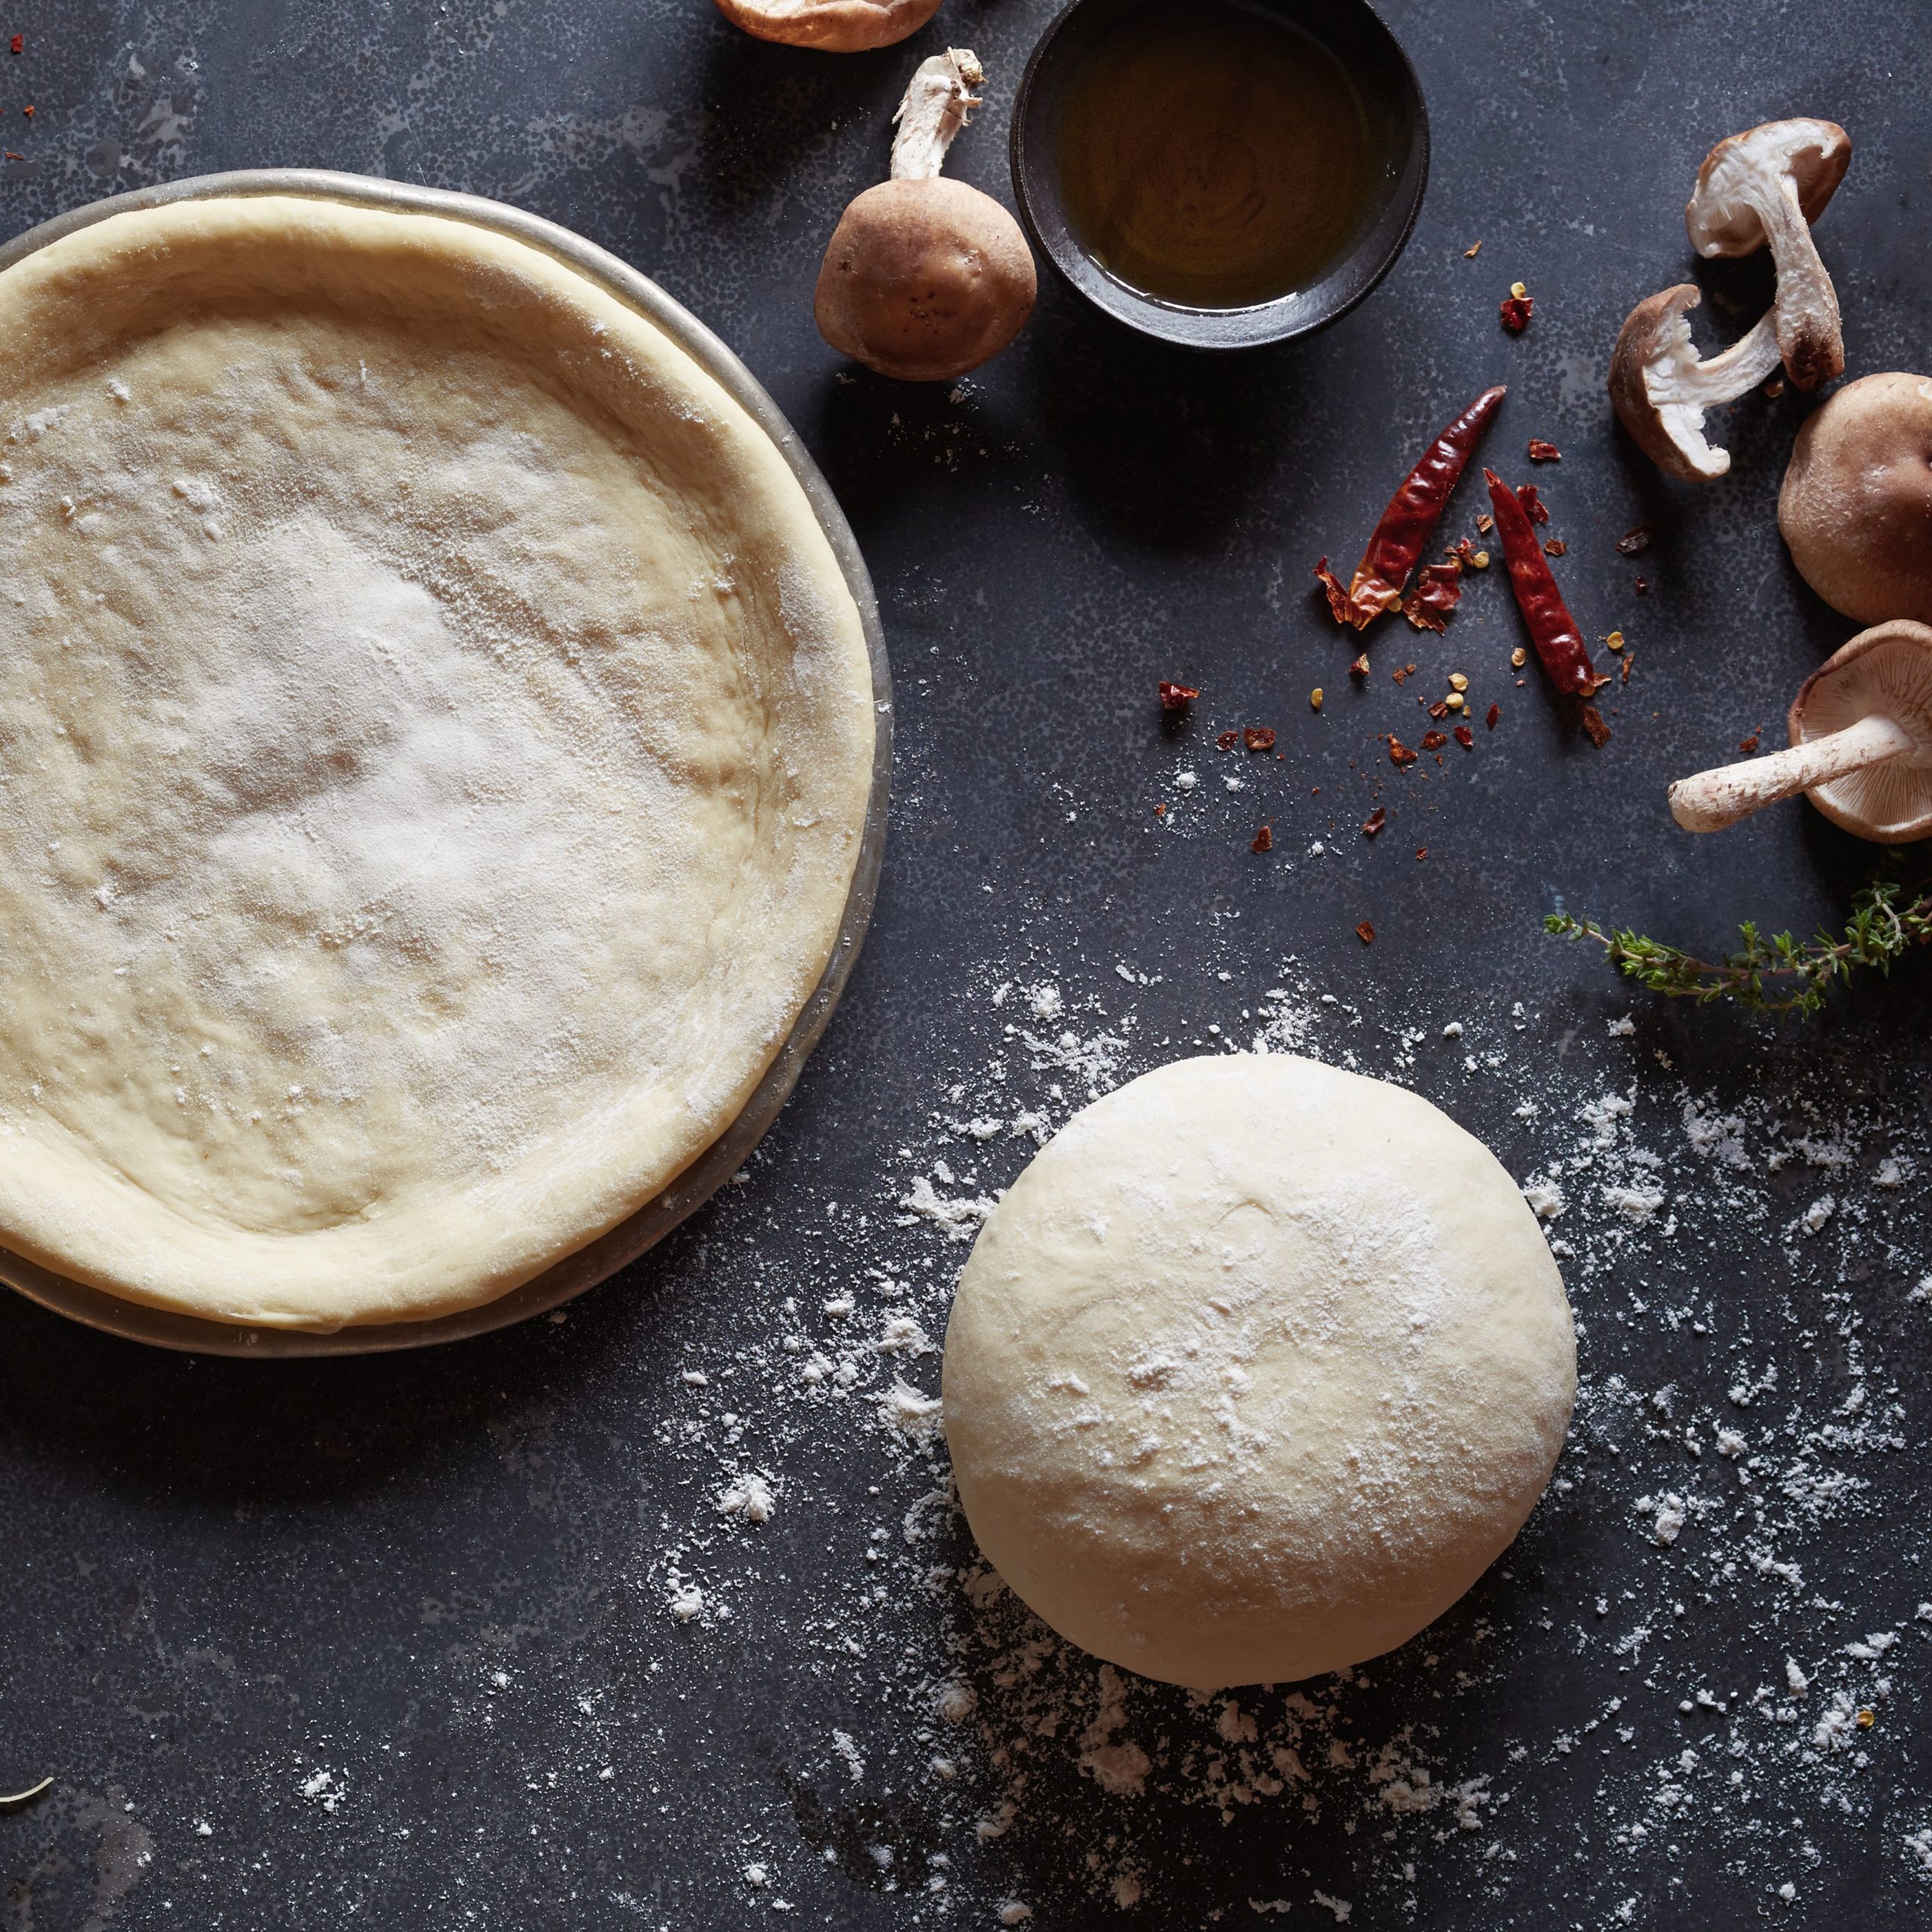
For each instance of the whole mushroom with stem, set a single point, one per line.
(925, 278)
(833, 27)
(1766, 187)
(1856, 508)
(1861, 746)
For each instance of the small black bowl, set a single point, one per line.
(1351, 32)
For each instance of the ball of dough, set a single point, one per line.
(1255, 1369)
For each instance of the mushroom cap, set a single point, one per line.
(1661, 390)
(1720, 216)
(1887, 670)
(924, 279)
(833, 27)
(1857, 504)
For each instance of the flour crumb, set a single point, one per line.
(749, 1496)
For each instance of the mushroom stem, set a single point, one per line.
(1713, 800)
(1811, 336)
(938, 102)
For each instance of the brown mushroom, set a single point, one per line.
(1861, 746)
(1857, 504)
(833, 27)
(1661, 388)
(925, 278)
(1768, 185)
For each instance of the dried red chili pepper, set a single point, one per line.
(1264, 841)
(1542, 452)
(1365, 932)
(1177, 697)
(1465, 737)
(1405, 526)
(1433, 741)
(1258, 738)
(1227, 741)
(1516, 310)
(1375, 821)
(1438, 590)
(1552, 630)
(1531, 500)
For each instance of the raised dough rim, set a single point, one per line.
(604, 1257)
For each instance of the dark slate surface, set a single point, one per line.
(442, 1581)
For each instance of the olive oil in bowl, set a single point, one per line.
(1217, 156)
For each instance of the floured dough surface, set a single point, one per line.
(436, 739)
(1255, 1370)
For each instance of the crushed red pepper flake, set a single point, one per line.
(1341, 605)
(1264, 840)
(18, 44)
(28, 110)
(1439, 709)
(1542, 452)
(1597, 731)
(1375, 821)
(1407, 671)
(1555, 546)
(1485, 523)
(1227, 741)
(1465, 737)
(1433, 741)
(1533, 507)
(1748, 745)
(1643, 584)
(1629, 660)
(1359, 668)
(1496, 712)
(1258, 738)
(1399, 753)
(1160, 811)
(1365, 932)
(1422, 851)
(1472, 251)
(1635, 542)
(1438, 590)
(1177, 697)
(1516, 310)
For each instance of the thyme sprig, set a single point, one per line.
(1779, 974)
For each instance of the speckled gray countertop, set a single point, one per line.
(391, 1643)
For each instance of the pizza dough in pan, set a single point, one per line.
(436, 739)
